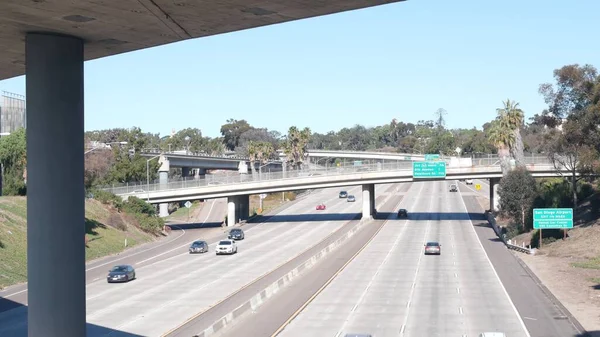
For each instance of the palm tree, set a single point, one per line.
(295, 146)
(502, 136)
(252, 154)
(513, 117)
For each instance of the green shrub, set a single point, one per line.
(107, 198)
(548, 236)
(136, 205)
(584, 190)
(150, 224)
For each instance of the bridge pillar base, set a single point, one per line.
(368, 201)
(238, 208)
(494, 196)
(185, 172)
(55, 115)
(200, 173)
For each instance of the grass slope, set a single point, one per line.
(102, 223)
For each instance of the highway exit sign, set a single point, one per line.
(429, 169)
(551, 218)
(432, 156)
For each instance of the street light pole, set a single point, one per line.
(148, 177)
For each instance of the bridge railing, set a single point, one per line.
(214, 180)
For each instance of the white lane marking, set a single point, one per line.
(472, 226)
(530, 318)
(374, 277)
(460, 310)
(458, 290)
(455, 275)
(402, 329)
(184, 245)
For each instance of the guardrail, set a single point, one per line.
(508, 243)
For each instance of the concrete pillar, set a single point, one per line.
(368, 200)
(185, 172)
(494, 196)
(231, 213)
(244, 202)
(163, 179)
(200, 173)
(55, 189)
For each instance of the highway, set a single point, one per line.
(387, 287)
(178, 241)
(167, 291)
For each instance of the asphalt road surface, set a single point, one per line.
(392, 289)
(167, 291)
(178, 241)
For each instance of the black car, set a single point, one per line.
(236, 234)
(199, 247)
(122, 273)
(343, 194)
(402, 213)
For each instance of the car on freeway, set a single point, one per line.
(453, 188)
(433, 248)
(469, 181)
(226, 247)
(492, 334)
(351, 198)
(321, 207)
(236, 234)
(343, 194)
(120, 273)
(402, 213)
(199, 246)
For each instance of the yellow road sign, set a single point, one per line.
(478, 186)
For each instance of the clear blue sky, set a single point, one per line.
(401, 61)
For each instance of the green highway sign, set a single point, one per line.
(429, 169)
(547, 218)
(432, 157)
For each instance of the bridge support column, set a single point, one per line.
(200, 173)
(55, 231)
(238, 208)
(368, 200)
(163, 178)
(185, 172)
(494, 196)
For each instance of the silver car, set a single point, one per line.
(351, 198)
(198, 247)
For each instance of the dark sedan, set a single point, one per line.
(199, 247)
(402, 213)
(236, 234)
(122, 273)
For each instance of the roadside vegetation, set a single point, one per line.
(107, 232)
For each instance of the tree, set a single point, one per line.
(13, 157)
(517, 192)
(295, 146)
(440, 121)
(232, 130)
(513, 117)
(255, 135)
(500, 134)
(97, 166)
(189, 139)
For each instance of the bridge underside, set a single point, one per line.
(114, 26)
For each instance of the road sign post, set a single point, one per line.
(552, 218)
(261, 197)
(429, 169)
(187, 205)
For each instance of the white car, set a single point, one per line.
(226, 247)
(469, 181)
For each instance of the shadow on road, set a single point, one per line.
(186, 226)
(594, 333)
(425, 216)
(19, 318)
(316, 217)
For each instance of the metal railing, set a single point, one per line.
(214, 180)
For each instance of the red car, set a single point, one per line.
(321, 207)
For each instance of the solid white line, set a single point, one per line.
(462, 201)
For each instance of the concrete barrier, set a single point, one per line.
(492, 221)
(257, 300)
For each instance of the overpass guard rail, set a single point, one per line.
(215, 180)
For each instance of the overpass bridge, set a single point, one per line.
(368, 155)
(238, 188)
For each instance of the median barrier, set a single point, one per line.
(508, 243)
(252, 304)
(260, 298)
